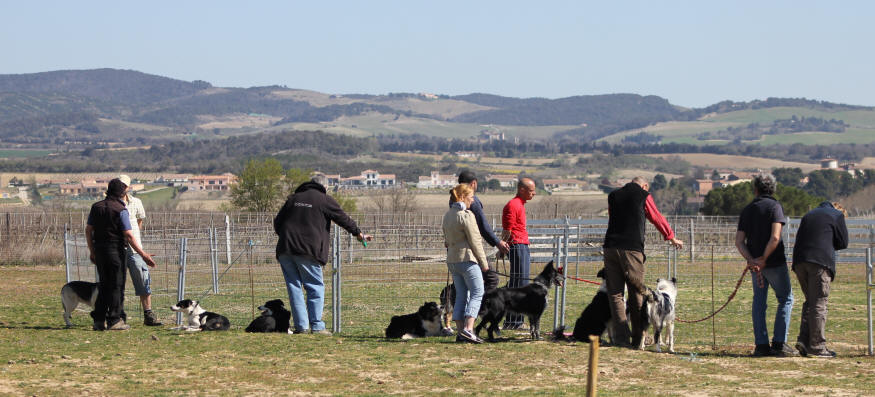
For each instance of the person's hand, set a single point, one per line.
(364, 237)
(484, 268)
(148, 259)
(677, 243)
(503, 248)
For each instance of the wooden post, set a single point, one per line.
(593, 375)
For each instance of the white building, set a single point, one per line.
(437, 180)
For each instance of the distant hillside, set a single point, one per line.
(85, 108)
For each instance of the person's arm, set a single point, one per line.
(336, 214)
(474, 240)
(89, 237)
(655, 217)
(483, 225)
(774, 239)
(742, 248)
(840, 234)
(507, 222)
(135, 245)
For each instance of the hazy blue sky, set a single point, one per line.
(694, 53)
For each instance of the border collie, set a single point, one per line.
(74, 293)
(529, 300)
(595, 318)
(274, 318)
(198, 319)
(660, 309)
(425, 322)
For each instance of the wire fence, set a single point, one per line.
(228, 263)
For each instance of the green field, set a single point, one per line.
(157, 197)
(24, 153)
(861, 130)
(40, 357)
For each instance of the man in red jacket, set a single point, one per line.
(303, 226)
(513, 225)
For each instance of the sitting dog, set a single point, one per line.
(198, 319)
(595, 318)
(74, 293)
(529, 300)
(660, 312)
(425, 322)
(274, 318)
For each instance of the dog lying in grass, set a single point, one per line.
(529, 300)
(425, 322)
(274, 318)
(198, 319)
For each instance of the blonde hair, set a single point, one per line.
(460, 192)
(836, 205)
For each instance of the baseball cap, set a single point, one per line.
(125, 179)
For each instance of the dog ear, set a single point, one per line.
(674, 280)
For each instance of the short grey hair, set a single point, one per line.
(640, 180)
(765, 184)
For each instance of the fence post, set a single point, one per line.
(869, 287)
(336, 282)
(67, 264)
(565, 271)
(180, 286)
(228, 238)
(692, 241)
(214, 258)
(557, 242)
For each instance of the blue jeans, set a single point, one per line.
(468, 280)
(520, 262)
(779, 279)
(303, 273)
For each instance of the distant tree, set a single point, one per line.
(658, 183)
(788, 176)
(731, 200)
(259, 187)
(347, 202)
(294, 178)
(493, 184)
(715, 176)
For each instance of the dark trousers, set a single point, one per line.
(520, 262)
(625, 268)
(111, 287)
(815, 283)
(490, 279)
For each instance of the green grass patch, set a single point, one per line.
(24, 153)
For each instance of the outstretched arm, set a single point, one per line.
(655, 217)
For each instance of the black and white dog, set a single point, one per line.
(448, 299)
(595, 318)
(198, 319)
(425, 322)
(660, 311)
(74, 293)
(529, 300)
(274, 318)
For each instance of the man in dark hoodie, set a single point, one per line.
(821, 232)
(303, 226)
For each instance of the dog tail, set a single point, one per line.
(559, 335)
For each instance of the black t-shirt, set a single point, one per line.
(756, 221)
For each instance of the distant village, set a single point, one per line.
(90, 186)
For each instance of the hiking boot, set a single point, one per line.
(119, 326)
(763, 351)
(321, 332)
(825, 353)
(781, 349)
(802, 349)
(99, 326)
(150, 319)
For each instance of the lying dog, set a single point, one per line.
(198, 319)
(274, 318)
(660, 311)
(595, 318)
(529, 300)
(425, 322)
(74, 293)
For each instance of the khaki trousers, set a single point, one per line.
(815, 283)
(625, 268)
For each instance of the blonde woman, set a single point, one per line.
(466, 261)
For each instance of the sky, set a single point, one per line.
(693, 53)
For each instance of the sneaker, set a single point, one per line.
(469, 336)
(321, 332)
(781, 349)
(825, 353)
(119, 326)
(447, 332)
(150, 319)
(802, 349)
(293, 331)
(763, 351)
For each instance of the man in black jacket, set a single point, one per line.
(303, 226)
(821, 232)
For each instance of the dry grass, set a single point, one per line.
(736, 162)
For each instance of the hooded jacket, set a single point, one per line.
(821, 232)
(303, 225)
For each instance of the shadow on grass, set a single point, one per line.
(25, 326)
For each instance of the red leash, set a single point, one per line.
(562, 271)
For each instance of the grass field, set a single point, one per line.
(24, 153)
(39, 357)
